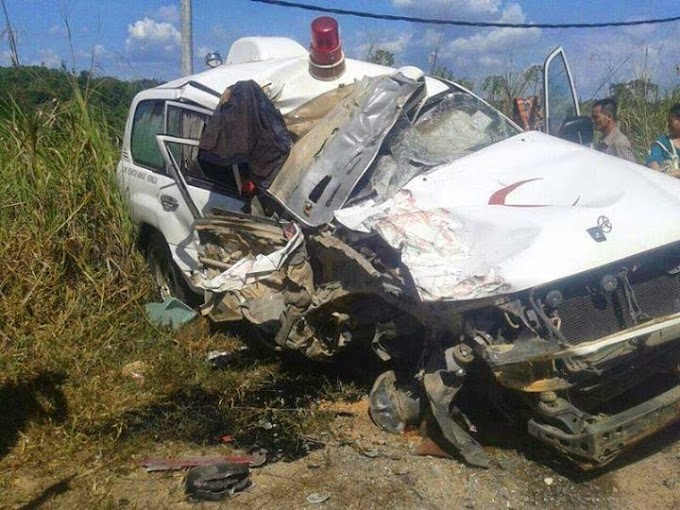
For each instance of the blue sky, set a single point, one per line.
(140, 39)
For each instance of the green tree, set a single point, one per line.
(380, 56)
(445, 73)
(502, 89)
(639, 89)
(33, 87)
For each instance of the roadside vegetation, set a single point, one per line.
(87, 383)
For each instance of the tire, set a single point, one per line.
(166, 277)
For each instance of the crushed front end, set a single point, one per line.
(569, 353)
(480, 257)
(595, 357)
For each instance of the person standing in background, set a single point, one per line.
(613, 141)
(663, 155)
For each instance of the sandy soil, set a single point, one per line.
(362, 467)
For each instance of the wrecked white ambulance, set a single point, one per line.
(330, 201)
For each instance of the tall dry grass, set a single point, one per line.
(66, 247)
(643, 120)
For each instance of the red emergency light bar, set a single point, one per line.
(326, 59)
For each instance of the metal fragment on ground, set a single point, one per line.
(174, 464)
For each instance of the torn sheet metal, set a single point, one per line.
(436, 246)
(254, 268)
(251, 268)
(302, 119)
(325, 165)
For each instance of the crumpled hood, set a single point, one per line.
(523, 212)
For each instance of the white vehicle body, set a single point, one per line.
(152, 193)
(548, 260)
(513, 216)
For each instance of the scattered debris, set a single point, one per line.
(171, 312)
(373, 453)
(219, 359)
(401, 470)
(428, 448)
(317, 498)
(135, 370)
(670, 483)
(217, 481)
(258, 458)
(159, 464)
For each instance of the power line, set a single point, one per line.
(434, 21)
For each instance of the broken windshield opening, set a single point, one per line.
(448, 127)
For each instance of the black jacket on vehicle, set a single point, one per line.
(245, 128)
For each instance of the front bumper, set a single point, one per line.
(601, 441)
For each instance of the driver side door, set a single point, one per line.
(561, 109)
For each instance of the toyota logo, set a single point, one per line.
(604, 224)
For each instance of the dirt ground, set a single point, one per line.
(360, 466)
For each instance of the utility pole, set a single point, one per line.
(187, 42)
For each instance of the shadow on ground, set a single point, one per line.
(272, 415)
(55, 489)
(39, 399)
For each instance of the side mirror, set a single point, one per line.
(577, 129)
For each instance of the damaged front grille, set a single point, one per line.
(646, 287)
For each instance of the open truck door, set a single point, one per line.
(562, 115)
(189, 196)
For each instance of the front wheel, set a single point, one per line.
(167, 279)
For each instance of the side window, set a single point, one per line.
(148, 122)
(560, 95)
(185, 122)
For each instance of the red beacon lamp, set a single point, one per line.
(326, 59)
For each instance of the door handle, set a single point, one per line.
(169, 203)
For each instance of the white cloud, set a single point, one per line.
(98, 51)
(396, 43)
(168, 13)
(513, 13)
(57, 30)
(150, 40)
(431, 38)
(5, 58)
(450, 7)
(601, 58)
(500, 40)
(48, 58)
(491, 50)
(491, 62)
(202, 51)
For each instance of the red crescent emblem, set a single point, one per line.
(498, 198)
